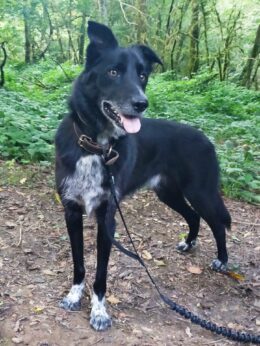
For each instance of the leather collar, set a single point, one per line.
(108, 154)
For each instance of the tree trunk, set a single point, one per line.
(205, 23)
(194, 42)
(82, 38)
(41, 53)
(103, 11)
(168, 29)
(231, 34)
(27, 44)
(174, 62)
(62, 56)
(247, 76)
(2, 75)
(141, 21)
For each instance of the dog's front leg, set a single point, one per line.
(99, 318)
(73, 217)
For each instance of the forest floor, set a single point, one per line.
(36, 272)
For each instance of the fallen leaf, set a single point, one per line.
(146, 255)
(235, 326)
(17, 340)
(48, 272)
(113, 300)
(38, 309)
(159, 263)
(33, 323)
(10, 224)
(145, 329)
(57, 198)
(236, 276)
(257, 303)
(194, 269)
(188, 332)
(28, 251)
(137, 332)
(182, 236)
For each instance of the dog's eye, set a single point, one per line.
(142, 76)
(113, 73)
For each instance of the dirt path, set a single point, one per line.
(36, 271)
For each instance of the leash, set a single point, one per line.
(109, 156)
(181, 310)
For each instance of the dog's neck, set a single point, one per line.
(99, 133)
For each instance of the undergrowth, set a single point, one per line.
(35, 100)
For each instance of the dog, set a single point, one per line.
(106, 120)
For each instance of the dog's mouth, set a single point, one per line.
(129, 123)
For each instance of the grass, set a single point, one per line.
(35, 100)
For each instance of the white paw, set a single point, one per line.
(184, 247)
(72, 300)
(218, 266)
(99, 318)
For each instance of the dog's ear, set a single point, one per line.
(149, 54)
(101, 38)
(101, 35)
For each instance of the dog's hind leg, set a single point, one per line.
(99, 318)
(173, 197)
(73, 217)
(212, 209)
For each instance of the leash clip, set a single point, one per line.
(106, 157)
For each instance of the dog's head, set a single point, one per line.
(116, 77)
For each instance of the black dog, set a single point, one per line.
(177, 161)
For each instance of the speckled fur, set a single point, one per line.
(85, 185)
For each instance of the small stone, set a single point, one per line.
(27, 251)
(17, 340)
(138, 333)
(10, 224)
(257, 303)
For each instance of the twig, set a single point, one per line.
(246, 223)
(98, 341)
(214, 341)
(20, 237)
(135, 8)
(124, 14)
(65, 73)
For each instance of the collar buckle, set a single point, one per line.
(108, 154)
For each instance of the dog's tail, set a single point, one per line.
(224, 214)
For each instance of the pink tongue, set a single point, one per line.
(132, 125)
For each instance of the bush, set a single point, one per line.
(227, 114)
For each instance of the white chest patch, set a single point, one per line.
(85, 185)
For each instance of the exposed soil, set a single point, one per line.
(36, 271)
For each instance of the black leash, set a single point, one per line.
(208, 325)
(109, 156)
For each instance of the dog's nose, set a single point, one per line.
(140, 105)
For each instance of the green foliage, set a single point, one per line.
(31, 108)
(229, 116)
